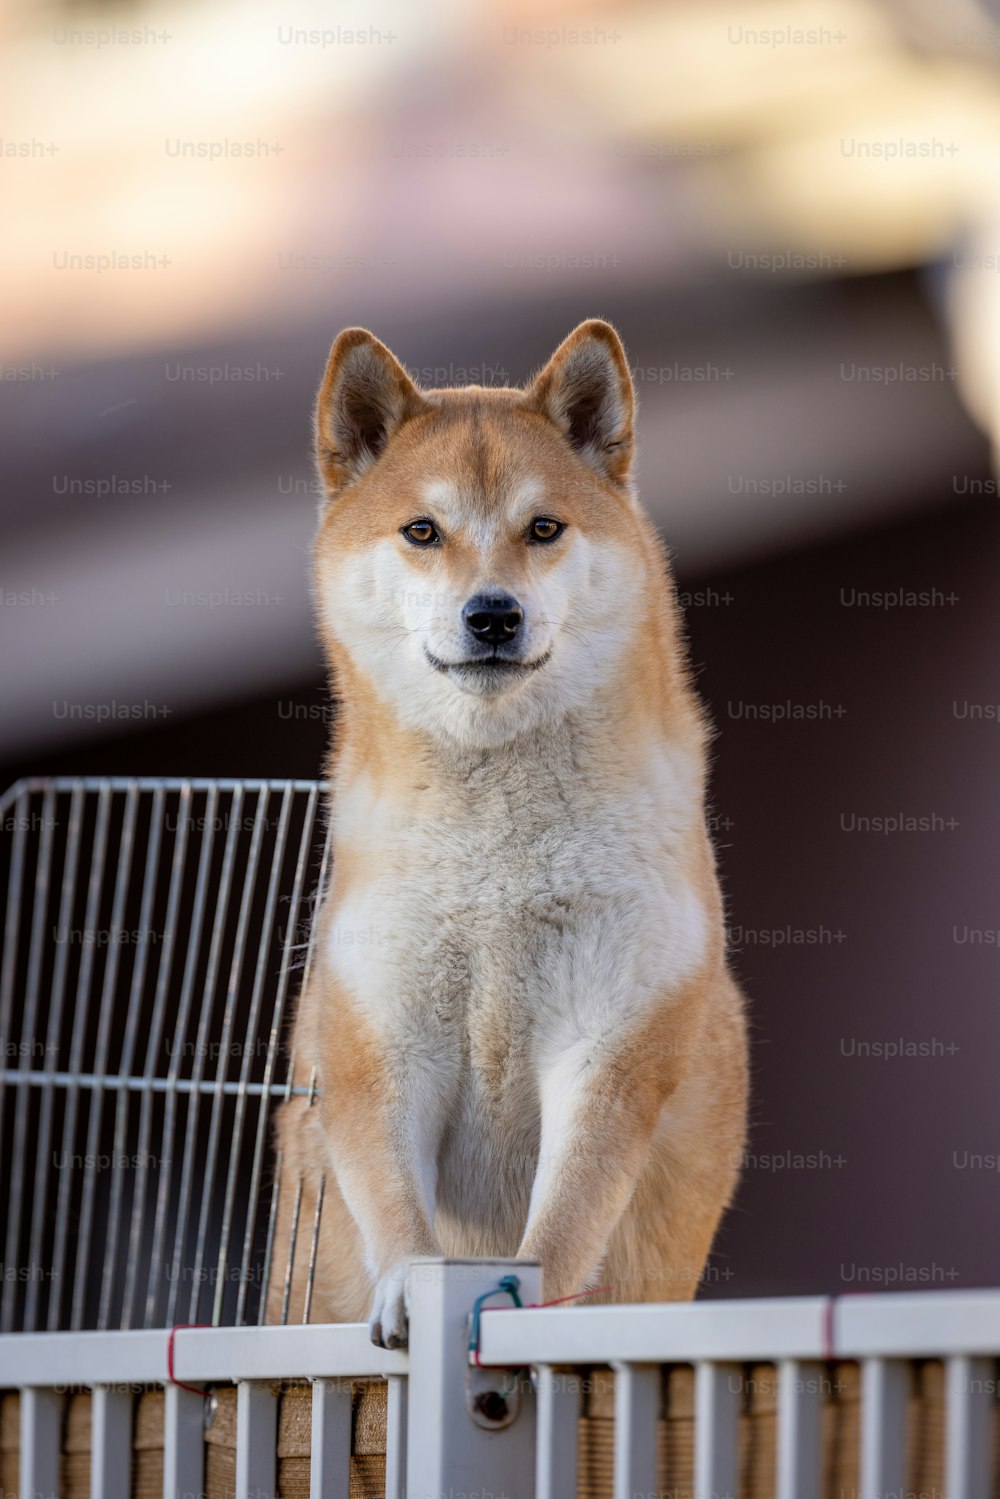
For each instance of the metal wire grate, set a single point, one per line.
(154, 937)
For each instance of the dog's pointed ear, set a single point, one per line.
(586, 390)
(365, 397)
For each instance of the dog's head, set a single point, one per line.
(479, 549)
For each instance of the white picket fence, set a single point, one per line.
(463, 1422)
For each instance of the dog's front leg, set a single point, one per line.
(600, 1105)
(383, 1109)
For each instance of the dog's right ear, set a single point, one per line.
(365, 397)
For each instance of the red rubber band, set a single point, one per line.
(537, 1306)
(829, 1342)
(180, 1327)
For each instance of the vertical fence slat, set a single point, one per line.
(558, 1417)
(330, 1445)
(968, 1438)
(183, 1443)
(111, 1443)
(256, 1440)
(800, 1401)
(718, 1396)
(395, 1437)
(885, 1385)
(41, 1429)
(637, 1405)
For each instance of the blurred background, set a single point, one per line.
(791, 211)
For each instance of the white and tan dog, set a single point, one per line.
(520, 1019)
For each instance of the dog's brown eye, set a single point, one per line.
(545, 529)
(422, 533)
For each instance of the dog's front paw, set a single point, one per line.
(388, 1324)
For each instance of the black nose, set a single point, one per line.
(494, 618)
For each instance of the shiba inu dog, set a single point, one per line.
(520, 1024)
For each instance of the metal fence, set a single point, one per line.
(500, 1417)
(155, 932)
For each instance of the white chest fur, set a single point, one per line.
(510, 908)
(519, 892)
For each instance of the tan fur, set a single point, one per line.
(495, 1048)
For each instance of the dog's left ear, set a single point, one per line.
(586, 390)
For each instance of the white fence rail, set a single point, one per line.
(462, 1422)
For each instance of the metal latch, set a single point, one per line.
(492, 1395)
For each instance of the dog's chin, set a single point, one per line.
(491, 677)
